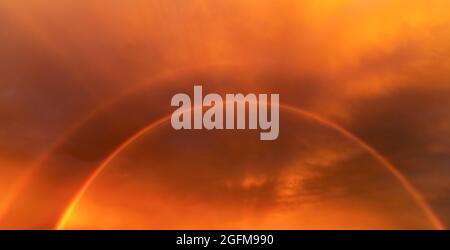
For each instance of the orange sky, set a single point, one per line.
(77, 78)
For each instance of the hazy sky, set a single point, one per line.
(77, 78)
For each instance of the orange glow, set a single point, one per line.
(365, 124)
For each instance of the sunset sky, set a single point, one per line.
(85, 90)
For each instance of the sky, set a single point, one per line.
(365, 144)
